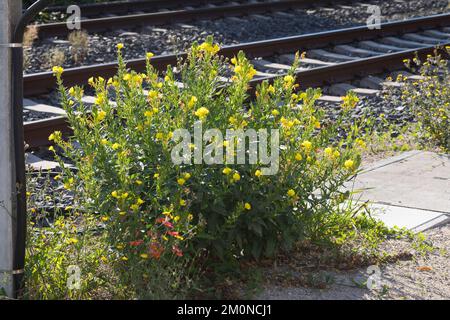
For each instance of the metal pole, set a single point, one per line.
(10, 11)
(19, 152)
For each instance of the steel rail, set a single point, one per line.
(159, 18)
(121, 7)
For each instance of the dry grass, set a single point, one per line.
(79, 45)
(30, 35)
(55, 57)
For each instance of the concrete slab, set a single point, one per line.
(416, 220)
(39, 107)
(415, 179)
(38, 164)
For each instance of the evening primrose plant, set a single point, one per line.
(157, 211)
(429, 98)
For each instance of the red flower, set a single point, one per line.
(165, 222)
(160, 220)
(177, 251)
(156, 250)
(173, 233)
(168, 224)
(136, 243)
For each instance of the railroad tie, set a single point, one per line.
(420, 38)
(323, 54)
(372, 45)
(346, 49)
(40, 107)
(437, 34)
(402, 43)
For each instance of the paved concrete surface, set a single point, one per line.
(411, 190)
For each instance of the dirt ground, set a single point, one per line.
(417, 277)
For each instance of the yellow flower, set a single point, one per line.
(236, 176)
(91, 81)
(361, 143)
(275, 112)
(182, 202)
(177, 218)
(349, 164)
(307, 145)
(233, 60)
(226, 171)
(104, 142)
(190, 217)
(124, 259)
(208, 47)
(120, 46)
(291, 193)
(115, 146)
(138, 182)
(238, 69)
(51, 148)
(115, 194)
(328, 151)
(124, 195)
(72, 91)
(149, 55)
(336, 154)
(247, 206)
(288, 80)
(54, 135)
(144, 256)
(181, 181)
(152, 94)
(105, 218)
(202, 112)
(134, 207)
(101, 115)
(187, 175)
(156, 175)
(258, 173)
(139, 201)
(57, 70)
(298, 157)
(159, 136)
(192, 102)
(73, 241)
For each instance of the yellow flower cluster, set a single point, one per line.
(209, 47)
(57, 70)
(201, 113)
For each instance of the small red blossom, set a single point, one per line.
(177, 251)
(136, 243)
(173, 233)
(165, 222)
(156, 249)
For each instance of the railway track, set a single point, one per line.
(132, 16)
(336, 59)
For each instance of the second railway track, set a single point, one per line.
(132, 17)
